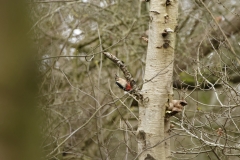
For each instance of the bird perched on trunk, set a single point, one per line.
(123, 84)
(175, 106)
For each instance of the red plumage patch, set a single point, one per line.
(128, 87)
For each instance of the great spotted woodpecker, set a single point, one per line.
(123, 84)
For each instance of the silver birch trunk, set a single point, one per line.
(157, 89)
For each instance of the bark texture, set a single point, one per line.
(157, 89)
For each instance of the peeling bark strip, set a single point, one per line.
(168, 2)
(155, 12)
(149, 157)
(142, 136)
(145, 39)
(122, 66)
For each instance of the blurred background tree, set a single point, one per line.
(19, 138)
(88, 117)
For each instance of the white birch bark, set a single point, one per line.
(157, 88)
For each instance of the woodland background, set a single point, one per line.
(86, 116)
